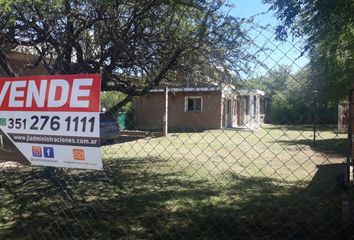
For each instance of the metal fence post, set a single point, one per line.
(350, 137)
(315, 92)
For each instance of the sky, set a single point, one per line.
(278, 53)
(247, 8)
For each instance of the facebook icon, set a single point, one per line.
(48, 152)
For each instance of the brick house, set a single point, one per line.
(200, 108)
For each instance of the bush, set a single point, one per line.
(287, 110)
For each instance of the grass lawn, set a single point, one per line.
(223, 184)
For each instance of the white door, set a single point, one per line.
(228, 113)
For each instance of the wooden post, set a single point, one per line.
(350, 153)
(165, 114)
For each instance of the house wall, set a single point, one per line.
(252, 117)
(148, 112)
(17, 60)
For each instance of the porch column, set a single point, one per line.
(165, 114)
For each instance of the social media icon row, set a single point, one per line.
(48, 152)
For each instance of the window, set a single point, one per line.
(193, 104)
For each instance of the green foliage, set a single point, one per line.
(109, 99)
(328, 27)
(292, 97)
(274, 81)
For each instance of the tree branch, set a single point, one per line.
(154, 83)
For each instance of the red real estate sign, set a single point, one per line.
(48, 120)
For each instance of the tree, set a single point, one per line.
(290, 93)
(274, 81)
(328, 27)
(135, 45)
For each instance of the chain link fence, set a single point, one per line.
(240, 159)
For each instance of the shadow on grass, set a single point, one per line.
(335, 147)
(136, 199)
(305, 127)
(328, 177)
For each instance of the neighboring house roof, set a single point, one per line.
(25, 50)
(21, 56)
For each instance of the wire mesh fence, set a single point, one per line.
(241, 158)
